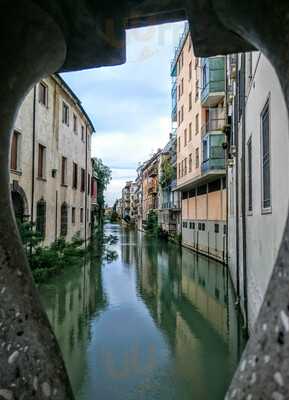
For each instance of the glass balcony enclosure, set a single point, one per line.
(214, 121)
(174, 100)
(213, 152)
(213, 80)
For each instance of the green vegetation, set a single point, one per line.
(167, 173)
(103, 174)
(46, 261)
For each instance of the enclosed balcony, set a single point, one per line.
(213, 153)
(213, 80)
(214, 121)
(174, 101)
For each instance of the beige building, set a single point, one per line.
(50, 161)
(199, 112)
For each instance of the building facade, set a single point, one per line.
(258, 192)
(169, 211)
(198, 110)
(50, 167)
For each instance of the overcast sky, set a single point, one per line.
(130, 104)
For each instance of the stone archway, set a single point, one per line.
(40, 37)
(19, 201)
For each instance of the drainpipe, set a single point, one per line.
(236, 136)
(243, 191)
(33, 154)
(85, 186)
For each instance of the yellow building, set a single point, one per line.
(199, 112)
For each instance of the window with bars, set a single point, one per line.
(75, 124)
(190, 163)
(265, 154)
(250, 186)
(197, 158)
(43, 94)
(64, 219)
(197, 123)
(15, 151)
(82, 182)
(74, 175)
(41, 161)
(65, 114)
(73, 215)
(63, 171)
(41, 217)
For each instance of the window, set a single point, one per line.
(81, 215)
(182, 59)
(15, 151)
(185, 166)
(185, 224)
(179, 92)
(179, 119)
(197, 90)
(190, 43)
(250, 186)
(179, 170)
(73, 215)
(74, 176)
(43, 94)
(63, 171)
(196, 62)
(190, 101)
(190, 70)
(192, 225)
(179, 144)
(88, 184)
(63, 219)
(65, 114)
(75, 127)
(203, 227)
(199, 226)
(197, 158)
(182, 83)
(197, 123)
(41, 217)
(82, 182)
(190, 131)
(182, 113)
(217, 228)
(41, 161)
(225, 229)
(82, 133)
(190, 163)
(185, 137)
(265, 154)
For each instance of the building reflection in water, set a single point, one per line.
(158, 323)
(71, 301)
(191, 299)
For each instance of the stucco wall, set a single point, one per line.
(59, 140)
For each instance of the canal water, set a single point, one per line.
(157, 323)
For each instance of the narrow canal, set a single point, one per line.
(156, 323)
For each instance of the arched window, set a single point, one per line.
(41, 217)
(64, 219)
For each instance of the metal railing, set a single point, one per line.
(216, 121)
(171, 205)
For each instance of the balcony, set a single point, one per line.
(213, 81)
(171, 206)
(215, 121)
(213, 153)
(174, 101)
(153, 171)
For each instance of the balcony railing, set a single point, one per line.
(216, 121)
(171, 205)
(213, 80)
(178, 50)
(216, 161)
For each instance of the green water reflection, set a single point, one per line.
(157, 323)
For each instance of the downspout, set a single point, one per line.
(225, 256)
(85, 186)
(236, 137)
(33, 154)
(243, 191)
